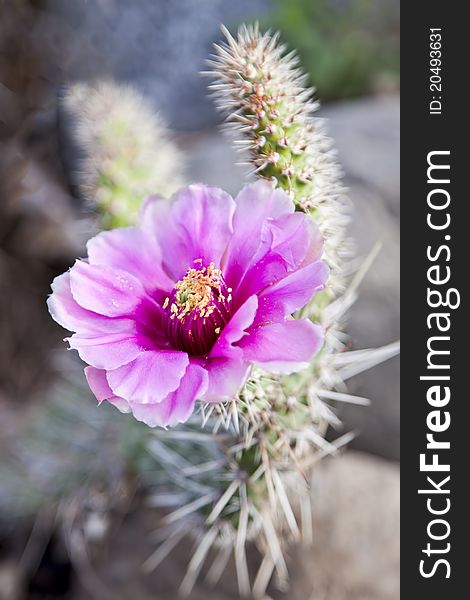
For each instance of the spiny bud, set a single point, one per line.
(261, 91)
(128, 151)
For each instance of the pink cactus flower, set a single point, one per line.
(178, 309)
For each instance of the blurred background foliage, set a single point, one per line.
(349, 47)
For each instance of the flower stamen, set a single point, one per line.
(202, 299)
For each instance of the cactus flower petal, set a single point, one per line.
(178, 308)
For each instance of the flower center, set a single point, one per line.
(198, 308)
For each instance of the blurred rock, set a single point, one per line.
(11, 583)
(356, 533)
(211, 159)
(38, 240)
(367, 137)
(160, 47)
(36, 217)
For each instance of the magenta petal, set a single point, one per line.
(150, 377)
(283, 347)
(63, 307)
(266, 272)
(291, 293)
(195, 224)
(73, 317)
(151, 324)
(134, 251)
(105, 290)
(226, 377)
(293, 236)
(178, 406)
(287, 243)
(255, 204)
(106, 351)
(98, 383)
(316, 242)
(234, 330)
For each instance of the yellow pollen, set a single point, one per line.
(195, 292)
